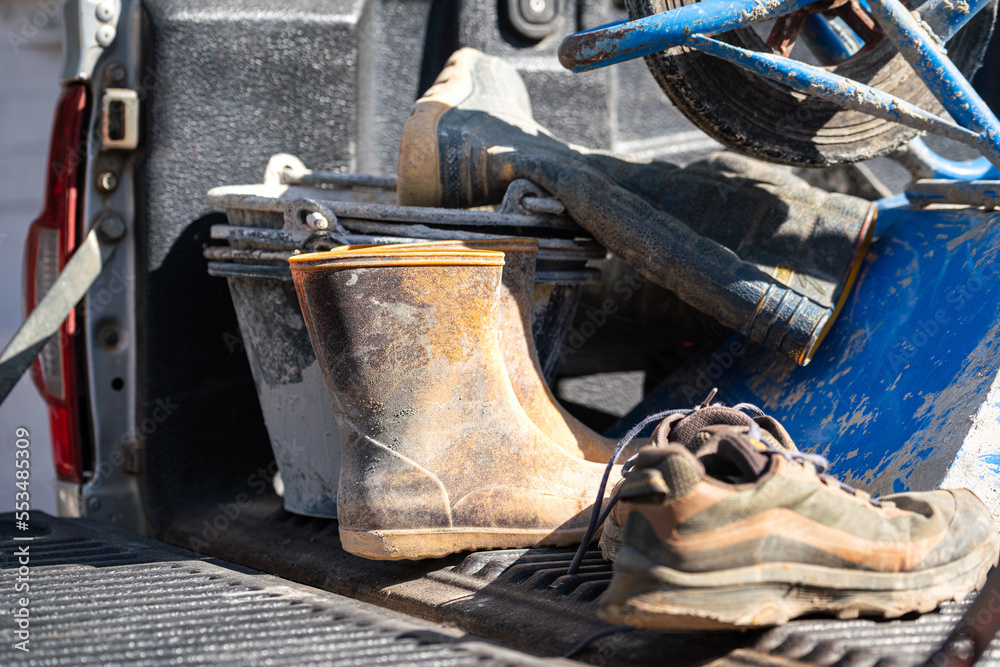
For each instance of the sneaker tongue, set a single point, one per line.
(741, 454)
(684, 430)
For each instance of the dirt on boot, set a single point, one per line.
(518, 344)
(438, 455)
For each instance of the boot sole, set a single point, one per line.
(419, 163)
(418, 544)
(652, 597)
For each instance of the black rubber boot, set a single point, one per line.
(472, 134)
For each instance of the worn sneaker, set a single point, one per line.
(692, 428)
(729, 527)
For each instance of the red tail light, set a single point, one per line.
(52, 238)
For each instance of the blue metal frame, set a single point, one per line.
(979, 169)
(919, 37)
(904, 394)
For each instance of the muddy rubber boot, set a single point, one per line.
(472, 134)
(439, 457)
(518, 345)
(479, 107)
(435, 156)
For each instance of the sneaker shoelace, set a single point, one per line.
(599, 514)
(819, 463)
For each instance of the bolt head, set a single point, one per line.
(113, 227)
(109, 336)
(107, 181)
(105, 35)
(117, 72)
(105, 11)
(94, 504)
(317, 221)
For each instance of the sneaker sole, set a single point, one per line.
(612, 538)
(652, 597)
(418, 544)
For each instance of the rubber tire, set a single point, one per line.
(766, 120)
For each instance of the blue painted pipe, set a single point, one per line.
(936, 166)
(941, 75)
(947, 191)
(824, 42)
(626, 40)
(838, 89)
(944, 19)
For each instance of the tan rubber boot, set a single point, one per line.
(439, 456)
(518, 345)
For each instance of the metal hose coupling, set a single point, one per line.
(800, 250)
(788, 323)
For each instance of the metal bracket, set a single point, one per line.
(120, 119)
(310, 215)
(525, 198)
(91, 26)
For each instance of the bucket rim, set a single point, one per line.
(346, 257)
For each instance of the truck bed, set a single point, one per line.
(524, 599)
(97, 596)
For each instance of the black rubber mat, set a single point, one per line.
(99, 597)
(524, 598)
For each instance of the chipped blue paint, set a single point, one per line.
(943, 78)
(945, 18)
(991, 459)
(625, 40)
(905, 391)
